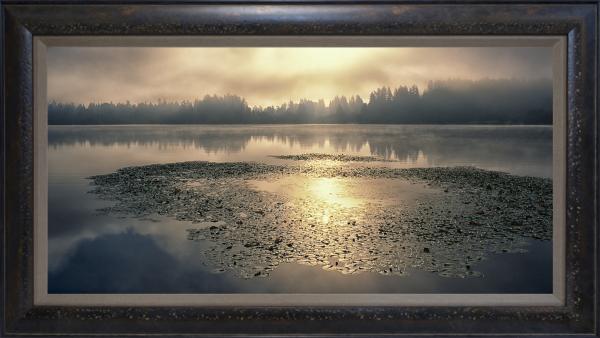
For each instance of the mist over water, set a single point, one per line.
(521, 150)
(500, 101)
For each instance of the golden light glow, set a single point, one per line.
(271, 76)
(332, 192)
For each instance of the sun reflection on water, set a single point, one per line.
(325, 218)
(332, 192)
(337, 222)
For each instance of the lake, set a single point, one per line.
(98, 252)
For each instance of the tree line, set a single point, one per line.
(487, 101)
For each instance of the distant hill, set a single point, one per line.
(504, 101)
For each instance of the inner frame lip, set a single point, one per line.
(554, 299)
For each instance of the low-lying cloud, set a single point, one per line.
(269, 76)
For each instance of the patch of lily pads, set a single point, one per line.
(331, 157)
(461, 216)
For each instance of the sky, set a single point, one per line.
(271, 76)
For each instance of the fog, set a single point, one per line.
(485, 101)
(271, 76)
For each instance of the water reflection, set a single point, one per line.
(331, 191)
(108, 265)
(90, 253)
(522, 150)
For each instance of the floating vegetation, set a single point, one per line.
(332, 157)
(251, 217)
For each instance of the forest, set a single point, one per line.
(487, 101)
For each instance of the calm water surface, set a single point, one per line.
(97, 253)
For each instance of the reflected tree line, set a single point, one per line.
(439, 143)
(487, 101)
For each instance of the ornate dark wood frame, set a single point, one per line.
(22, 20)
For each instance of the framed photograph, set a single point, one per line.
(287, 168)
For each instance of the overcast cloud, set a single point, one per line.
(270, 76)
